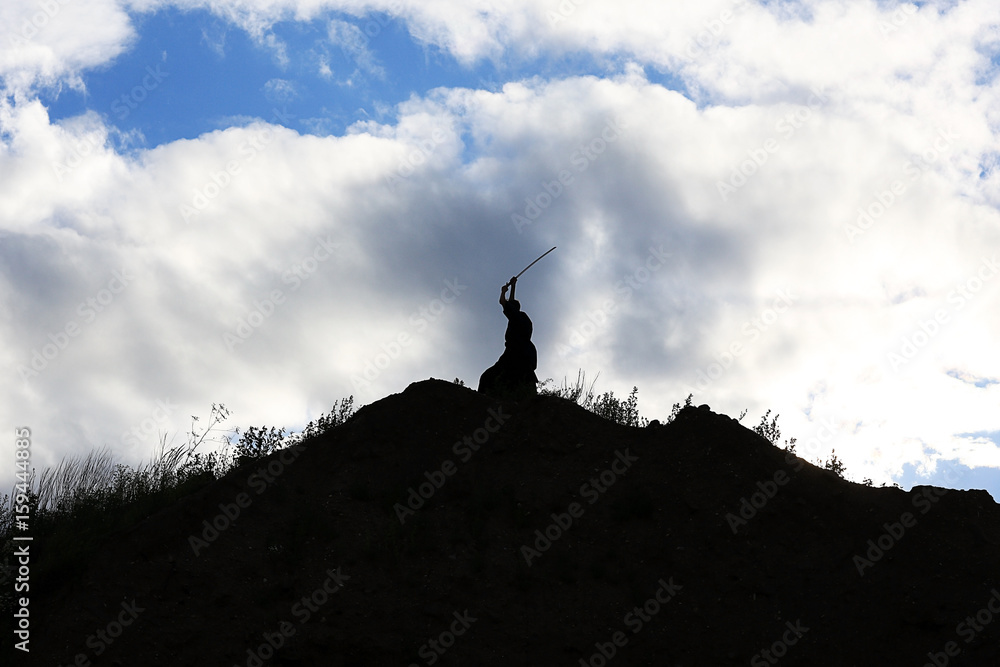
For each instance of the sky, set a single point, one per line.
(275, 204)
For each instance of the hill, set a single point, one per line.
(438, 526)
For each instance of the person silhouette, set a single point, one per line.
(513, 374)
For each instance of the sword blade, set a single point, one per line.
(533, 263)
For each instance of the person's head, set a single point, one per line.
(515, 304)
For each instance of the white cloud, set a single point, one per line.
(214, 37)
(354, 42)
(324, 68)
(47, 43)
(280, 91)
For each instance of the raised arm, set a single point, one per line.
(503, 291)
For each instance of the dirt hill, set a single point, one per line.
(438, 526)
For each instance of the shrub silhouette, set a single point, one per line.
(72, 507)
(768, 431)
(256, 443)
(676, 409)
(620, 411)
(836, 465)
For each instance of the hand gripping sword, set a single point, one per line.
(532, 264)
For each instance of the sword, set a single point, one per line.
(532, 264)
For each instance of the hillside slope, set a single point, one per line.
(634, 548)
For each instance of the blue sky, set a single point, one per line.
(217, 73)
(788, 206)
(207, 74)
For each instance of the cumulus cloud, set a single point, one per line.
(50, 43)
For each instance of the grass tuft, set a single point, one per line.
(72, 507)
